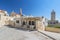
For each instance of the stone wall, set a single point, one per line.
(40, 26)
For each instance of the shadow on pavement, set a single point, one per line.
(18, 28)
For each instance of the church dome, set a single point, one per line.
(13, 14)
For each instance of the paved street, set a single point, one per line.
(7, 33)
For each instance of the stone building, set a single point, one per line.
(4, 17)
(53, 15)
(22, 21)
(13, 14)
(31, 23)
(28, 22)
(53, 20)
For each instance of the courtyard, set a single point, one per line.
(8, 33)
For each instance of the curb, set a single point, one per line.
(47, 35)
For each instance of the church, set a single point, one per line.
(24, 22)
(53, 20)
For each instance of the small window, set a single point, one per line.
(33, 23)
(29, 22)
(23, 22)
(53, 22)
(17, 21)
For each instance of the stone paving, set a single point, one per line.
(52, 34)
(7, 33)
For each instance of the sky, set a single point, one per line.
(32, 7)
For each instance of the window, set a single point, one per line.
(29, 22)
(23, 22)
(50, 22)
(17, 21)
(33, 23)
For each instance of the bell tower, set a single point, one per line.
(53, 15)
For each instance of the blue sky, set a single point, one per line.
(33, 7)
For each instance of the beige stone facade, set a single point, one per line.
(30, 23)
(4, 17)
(21, 21)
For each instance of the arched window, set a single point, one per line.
(33, 23)
(29, 22)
